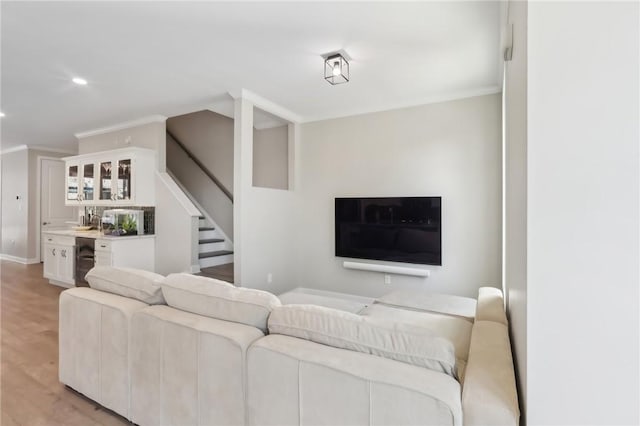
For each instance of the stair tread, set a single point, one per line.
(214, 253)
(206, 228)
(211, 240)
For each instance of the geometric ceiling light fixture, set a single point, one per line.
(336, 69)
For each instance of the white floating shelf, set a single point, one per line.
(399, 270)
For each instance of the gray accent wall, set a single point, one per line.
(150, 136)
(271, 157)
(449, 149)
(209, 136)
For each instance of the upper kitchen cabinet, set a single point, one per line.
(111, 178)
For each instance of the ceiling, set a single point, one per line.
(171, 58)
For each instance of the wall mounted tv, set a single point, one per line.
(397, 229)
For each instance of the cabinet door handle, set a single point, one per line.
(63, 253)
(103, 246)
(46, 223)
(53, 251)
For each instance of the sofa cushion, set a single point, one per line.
(219, 299)
(455, 329)
(137, 284)
(447, 304)
(398, 341)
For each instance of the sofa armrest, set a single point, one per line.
(489, 396)
(491, 305)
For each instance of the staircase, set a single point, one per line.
(213, 249)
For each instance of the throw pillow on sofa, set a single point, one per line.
(219, 299)
(397, 341)
(137, 284)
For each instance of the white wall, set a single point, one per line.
(176, 222)
(515, 226)
(271, 157)
(15, 183)
(264, 226)
(449, 149)
(583, 213)
(20, 226)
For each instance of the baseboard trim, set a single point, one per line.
(17, 259)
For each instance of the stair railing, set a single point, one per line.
(202, 167)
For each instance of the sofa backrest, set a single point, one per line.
(399, 341)
(219, 299)
(128, 282)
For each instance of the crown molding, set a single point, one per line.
(39, 148)
(122, 126)
(266, 105)
(14, 149)
(52, 149)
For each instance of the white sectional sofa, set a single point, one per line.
(186, 350)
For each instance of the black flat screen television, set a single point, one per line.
(396, 229)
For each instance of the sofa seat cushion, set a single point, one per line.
(447, 304)
(137, 284)
(293, 381)
(219, 299)
(455, 329)
(398, 341)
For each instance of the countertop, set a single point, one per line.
(94, 234)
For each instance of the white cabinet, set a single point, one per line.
(134, 252)
(112, 178)
(59, 260)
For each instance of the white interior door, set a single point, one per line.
(53, 213)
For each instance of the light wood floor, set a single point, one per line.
(30, 392)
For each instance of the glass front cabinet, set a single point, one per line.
(119, 177)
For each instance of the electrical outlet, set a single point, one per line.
(387, 279)
(269, 278)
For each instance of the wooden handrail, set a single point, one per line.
(202, 167)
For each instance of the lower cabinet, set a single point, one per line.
(126, 252)
(136, 252)
(59, 260)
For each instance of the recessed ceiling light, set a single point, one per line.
(79, 81)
